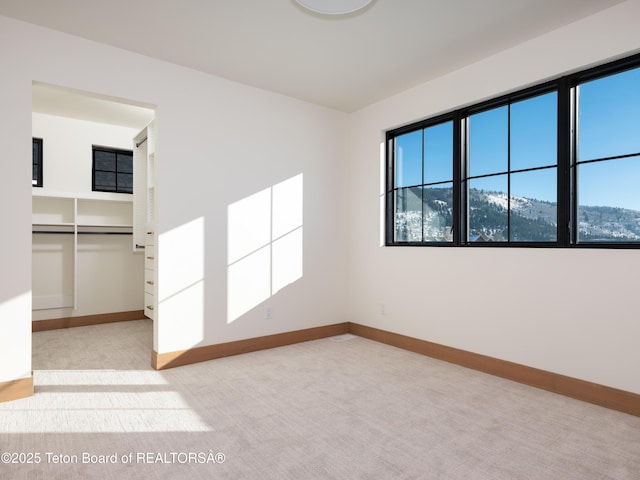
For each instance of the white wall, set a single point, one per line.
(237, 142)
(109, 273)
(15, 218)
(67, 150)
(571, 312)
(218, 142)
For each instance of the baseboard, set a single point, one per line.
(161, 361)
(597, 394)
(16, 389)
(604, 396)
(83, 321)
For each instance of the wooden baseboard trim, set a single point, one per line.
(86, 320)
(597, 394)
(16, 389)
(161, 361)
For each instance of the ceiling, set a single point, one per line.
(342, 62)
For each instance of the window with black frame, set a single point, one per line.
(36, 171)
(607, 166)
(512, 172)
(112, 170)
(423, 184)
(557, 164)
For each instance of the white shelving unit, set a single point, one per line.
(144, 231)
(57, 221)
(104, 212)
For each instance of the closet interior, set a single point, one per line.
(93, 217)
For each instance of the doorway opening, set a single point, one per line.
(89, 209)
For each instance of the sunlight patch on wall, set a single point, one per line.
(249, 282)
(287, 260)
(15, 337)
(264, 245)
(181, 282)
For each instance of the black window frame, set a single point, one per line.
(391, 175)
(37, 160)
(567, 204)
(116, 151)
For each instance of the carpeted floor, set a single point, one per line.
(342, 408)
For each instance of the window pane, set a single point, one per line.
(609, 116)
(408, 218)
(534, 132)
(488, 209)
(538, 185)
(36, 171)
(438, 213)
(112, 170)
(408, 159)
(609, 201)
(105, 181)
(125, 182)
(488, 140)
(104, 160)
(125, 163)
(36, 151)
(533, 206)
(438, 153)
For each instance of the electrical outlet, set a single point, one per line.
(268, 313)
(383, 309)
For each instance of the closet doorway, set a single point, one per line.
(90, 209)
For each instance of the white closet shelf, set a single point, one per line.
(77, 215)
(53, 224)
(104, 196)
(110, 225)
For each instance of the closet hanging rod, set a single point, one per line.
(141, 142)
(62, 232)
(105, 233)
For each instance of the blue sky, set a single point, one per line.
(438, 151)
(609, 125)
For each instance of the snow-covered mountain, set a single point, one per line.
(531, 220)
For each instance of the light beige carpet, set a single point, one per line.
(350, 409)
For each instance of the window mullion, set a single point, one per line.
(572, 161)
(459, 182)
(565, 141)
(509, 172)
(115, 170)
(422, 189)
(572, 158)
(390, 189)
